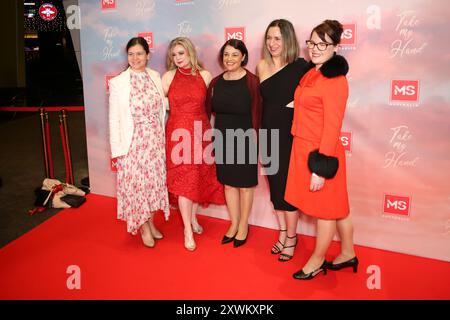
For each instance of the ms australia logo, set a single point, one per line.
(346, 140)
(235, 33)
(348, 37)
(404, 92)
(396, 206)
(148, 36)
(108, 4)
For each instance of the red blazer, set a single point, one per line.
(253, 87)
(319, 118)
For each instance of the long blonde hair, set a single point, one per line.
(187, 45)
(291, 48)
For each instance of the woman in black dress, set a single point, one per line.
(279, 73)
(234, 97)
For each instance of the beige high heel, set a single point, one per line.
(189, 242)
(148, 242)
(155, 232)
(195, 226)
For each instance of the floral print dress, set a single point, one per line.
(141, 173)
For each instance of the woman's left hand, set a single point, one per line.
(316, 183)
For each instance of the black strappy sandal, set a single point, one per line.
(275, 248)
(284, 256)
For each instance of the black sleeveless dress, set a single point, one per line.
(277, 92)
(238, 163)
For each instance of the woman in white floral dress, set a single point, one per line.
(136, 121)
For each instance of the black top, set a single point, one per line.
(277, 92)
(232, 97)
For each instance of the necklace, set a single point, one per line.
(237, 76)
(186, 74)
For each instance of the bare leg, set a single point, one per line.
(281, 217)
(345, 230)
(246, 201)
(146, 235)
(185, 206)
(232, 198)
(326, 230)
(291, 239)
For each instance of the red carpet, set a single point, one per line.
(115, 265)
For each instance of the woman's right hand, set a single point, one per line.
(317, 182)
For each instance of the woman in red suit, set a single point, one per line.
(191, 178)
(317, 177)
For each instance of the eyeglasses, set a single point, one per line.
(322, 46)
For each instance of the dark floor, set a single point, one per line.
(21, 157)
(22, 167)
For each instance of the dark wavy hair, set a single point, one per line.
(237, 44)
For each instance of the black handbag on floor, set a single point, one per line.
(73, 200)
(43, 198)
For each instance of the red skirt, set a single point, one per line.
(331, 202)
(194, 178)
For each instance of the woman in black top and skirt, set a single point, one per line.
(279, 73)
(234, 98)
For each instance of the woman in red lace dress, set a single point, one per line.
(191, 172)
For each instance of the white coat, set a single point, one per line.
(120, 119)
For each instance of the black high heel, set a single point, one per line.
(238, 243)
(300, 275)
(353, 263)
(284, 256)
(275, 248)
(227, 239)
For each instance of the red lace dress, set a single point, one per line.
(191, 171)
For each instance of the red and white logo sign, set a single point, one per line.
(348, 37)
(405, 90)
(235, 33)
(148, 36)
(346, 140)
(113, 165)
(108, 4)
(396, 205)
(48, 12)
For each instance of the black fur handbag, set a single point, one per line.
(322, 165)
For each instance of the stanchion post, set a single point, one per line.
(67, 153)
(44, 142)
(49, 147)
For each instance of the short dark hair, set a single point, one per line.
(237, 44)
(138, 40)
(332, 28)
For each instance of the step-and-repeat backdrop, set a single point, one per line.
(397, 124)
